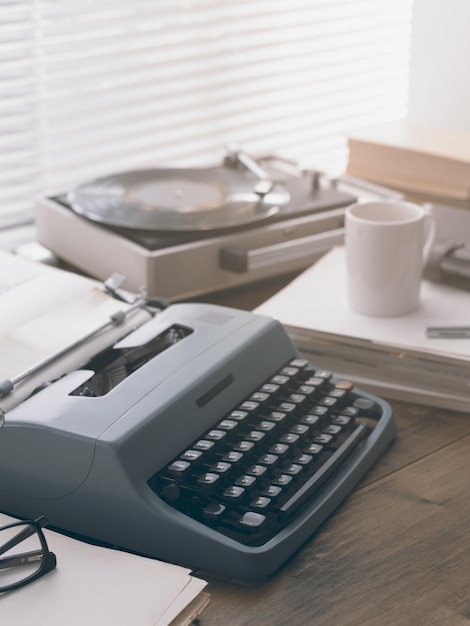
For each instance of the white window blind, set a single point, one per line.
(100, 86)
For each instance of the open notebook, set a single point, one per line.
(43, 311)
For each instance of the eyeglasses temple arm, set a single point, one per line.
(21, 559)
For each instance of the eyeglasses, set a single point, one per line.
(24, 555)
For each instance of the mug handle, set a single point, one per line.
(430, 237)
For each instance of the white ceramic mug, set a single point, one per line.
(387, 244)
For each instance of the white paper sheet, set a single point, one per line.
(93, 585)
(317, 300)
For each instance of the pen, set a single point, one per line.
(448, 332)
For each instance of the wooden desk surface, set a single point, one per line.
(396, 552)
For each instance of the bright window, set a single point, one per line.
(92, 87)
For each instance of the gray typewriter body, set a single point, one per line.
(86, 461)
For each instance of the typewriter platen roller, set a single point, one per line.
(202, 438)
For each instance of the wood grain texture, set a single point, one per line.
(397, 552)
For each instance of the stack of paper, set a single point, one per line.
(95, 585)
(425, 163)
(390, 356)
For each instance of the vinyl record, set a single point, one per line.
(177, 199)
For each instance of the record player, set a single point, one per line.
(181, 233)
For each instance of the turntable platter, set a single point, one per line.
(177, 199)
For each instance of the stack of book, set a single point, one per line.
(389, 356)
(427, 164)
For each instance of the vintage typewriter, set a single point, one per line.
(201, 437)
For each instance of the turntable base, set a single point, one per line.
(170, 234)
(190, 269)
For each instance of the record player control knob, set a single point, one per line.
(315, 178)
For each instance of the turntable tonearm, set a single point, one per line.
(182, 232)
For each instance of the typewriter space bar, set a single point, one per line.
(324, 473)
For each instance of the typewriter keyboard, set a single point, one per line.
(267, 458)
